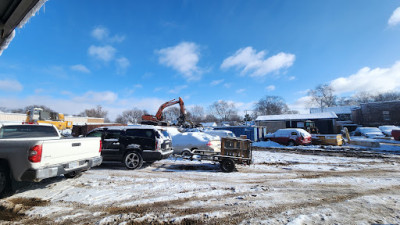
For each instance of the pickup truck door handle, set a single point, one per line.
(76, 144)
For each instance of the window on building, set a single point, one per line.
(386, 115)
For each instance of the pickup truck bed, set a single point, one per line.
(27, 157)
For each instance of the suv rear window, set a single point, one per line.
(147, 133)
(31, 131)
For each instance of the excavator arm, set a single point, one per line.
(158, 118)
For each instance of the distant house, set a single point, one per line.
(343, 112)
(377, 113)
(325, 122)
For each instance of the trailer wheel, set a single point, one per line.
(186, 153)
(5, 182)
(133, 160)
(227, 165)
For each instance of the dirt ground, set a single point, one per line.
(281, 187)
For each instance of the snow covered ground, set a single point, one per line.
(279, 188)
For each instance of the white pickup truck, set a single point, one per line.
(34, 152)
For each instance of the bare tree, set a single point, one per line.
(96, 112)
(271, 105)
(210, 118)
(387, 96)
(197, 113)
(322, 96)
(172, 113)
(132, 116)
(223, 110)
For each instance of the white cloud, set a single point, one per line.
(369, 80)
(103, 34)
(216, 82)
(228, 85)
(105, 53)
(10, 85)
(122, 65)
(253, 63)
(240, 91)
(183, 58)
(97, 97)
(301, 105)
(270, 88)
(395, 18)
(80, 68)
(177, 89)
(292, 78)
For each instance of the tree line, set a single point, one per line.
(322, 96)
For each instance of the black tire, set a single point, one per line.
(291, 143)
(133, 160)
(186, 153)
(227, 165)
(5, 182)
(73, 174)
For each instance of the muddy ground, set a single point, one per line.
(281, 187)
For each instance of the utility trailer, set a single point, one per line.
(233, 151)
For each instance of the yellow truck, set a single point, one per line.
(38, 116)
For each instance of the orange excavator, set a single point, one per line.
(158, 118)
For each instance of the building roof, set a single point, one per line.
(13, 14)
(324, 115)
(336, 109)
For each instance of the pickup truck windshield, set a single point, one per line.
(27, 131)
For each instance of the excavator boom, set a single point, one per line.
(158, 118)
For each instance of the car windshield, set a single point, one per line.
(165, 133)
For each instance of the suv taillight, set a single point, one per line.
(35, 154)
(101, 146)
(157, 145)
(209, 144)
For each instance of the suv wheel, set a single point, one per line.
(186, 153)
(133, 160)
(291, 143)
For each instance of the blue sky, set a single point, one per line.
(74, 55)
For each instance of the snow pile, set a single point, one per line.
(268, 144)
(192, 138)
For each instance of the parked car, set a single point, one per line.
(132, 145)
(396, 134)
(187, 143)
(387, 129)
(33, 152)
(368, 132)
(220, 133)
(290, 136)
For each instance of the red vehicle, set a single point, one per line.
(396, 134)
(290, 136)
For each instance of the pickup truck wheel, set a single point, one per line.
(227, 165)
(133, 160)
(5, 183)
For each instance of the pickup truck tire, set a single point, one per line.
(5, 182)
(227, 165)
(133, 160)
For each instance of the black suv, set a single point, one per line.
(133, 144)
